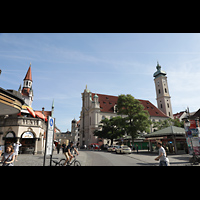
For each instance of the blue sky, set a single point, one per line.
(109, 63)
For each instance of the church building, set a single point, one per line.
(96, 107)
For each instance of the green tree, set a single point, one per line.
(137, 119)
(168, 122)
(111, 128)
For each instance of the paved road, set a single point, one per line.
(98, 158)
(102, 158)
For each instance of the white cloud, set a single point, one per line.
(184, 81)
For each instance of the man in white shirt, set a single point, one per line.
(16, 149)
(162, 155)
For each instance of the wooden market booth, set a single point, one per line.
(173, 140)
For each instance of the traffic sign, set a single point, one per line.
(49, 137)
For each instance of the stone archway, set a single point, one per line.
(28, 142)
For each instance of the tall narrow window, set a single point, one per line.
(159, 91)
(165, 90)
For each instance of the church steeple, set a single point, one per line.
(162, 91)
(159, 72)
(52, 108)
(28, 74)
(27, 91)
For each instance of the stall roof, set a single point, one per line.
(171, 130)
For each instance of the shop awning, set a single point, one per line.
(40, 115)
(171, 130)
(30, 110)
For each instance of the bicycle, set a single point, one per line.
(56, 163)
(75, 162)
(195, 160)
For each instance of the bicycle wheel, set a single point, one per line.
(77, 163)
(62, 162)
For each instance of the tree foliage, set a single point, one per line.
(111, 128)
(168, 122)
(137, 119)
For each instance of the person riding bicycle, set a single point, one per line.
(68, 152)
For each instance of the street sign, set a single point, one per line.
(49, 138)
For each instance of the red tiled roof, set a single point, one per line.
(28, 75)
(46, 113)
(178, 115)
(108, 102)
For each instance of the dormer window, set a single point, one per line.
(115, 108)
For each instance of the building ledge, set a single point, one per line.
(10, 103)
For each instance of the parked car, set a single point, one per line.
(123, 149)
(112, 148)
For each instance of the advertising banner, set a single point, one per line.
(192, 134)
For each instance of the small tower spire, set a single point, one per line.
(52, 108)
(20, 88)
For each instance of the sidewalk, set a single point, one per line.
(37, 160)
(148, 158)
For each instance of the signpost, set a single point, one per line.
(49, 138)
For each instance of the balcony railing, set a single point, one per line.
(23, 121)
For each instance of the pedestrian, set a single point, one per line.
(16, 149)
(58, 147)
(137, 148)
(8, 157)
(63, 147)
(162, 155)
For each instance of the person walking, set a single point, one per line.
(137, 148)
(16, 149)
(58, 147)
(63, 147)
(162, 155)
(8, 157)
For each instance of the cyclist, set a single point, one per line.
(68, 152)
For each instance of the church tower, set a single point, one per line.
(27, 91)
(162, 91)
